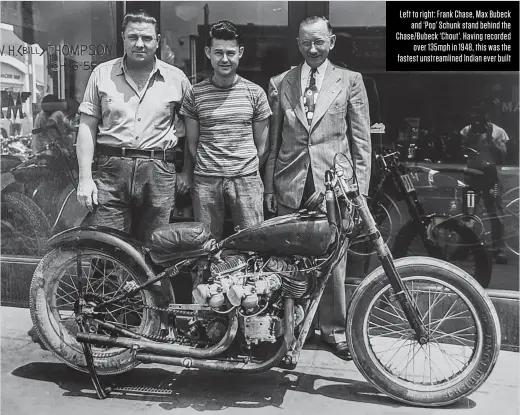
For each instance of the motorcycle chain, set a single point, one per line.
(158, 338)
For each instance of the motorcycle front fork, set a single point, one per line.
(401, 293)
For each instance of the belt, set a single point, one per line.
(159, 154)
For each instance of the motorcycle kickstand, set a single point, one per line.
(101, 392)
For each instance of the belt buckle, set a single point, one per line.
(152, 153)
(123, 151)
(164, 155)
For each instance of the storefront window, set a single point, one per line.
(263, 25)
(48, 52)
(49, 49)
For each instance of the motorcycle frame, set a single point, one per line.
(291, 346)
(415, 209)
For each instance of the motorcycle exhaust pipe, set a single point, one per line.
(163, 348)
(231, 366)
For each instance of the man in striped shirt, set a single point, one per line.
(227, 122)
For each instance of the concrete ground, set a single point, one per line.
(34, 382)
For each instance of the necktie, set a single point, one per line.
(309, 98)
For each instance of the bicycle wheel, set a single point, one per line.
(463, 333)
(452, 240)
(55, 288)
(511, 226)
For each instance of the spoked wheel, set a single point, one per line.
(25, 228)
(55, 288)
(511, 226)
(452, 241)
(463, 333)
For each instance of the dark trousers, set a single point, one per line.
(135, 195)
(243, 195)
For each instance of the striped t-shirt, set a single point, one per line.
(226, 146)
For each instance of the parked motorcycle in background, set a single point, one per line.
(415, 231)
(38, 198)
(420, 329)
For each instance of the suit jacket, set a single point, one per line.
(341, 124)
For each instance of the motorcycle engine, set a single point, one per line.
(256, 287)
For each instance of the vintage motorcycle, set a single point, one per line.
(419, 329)
(38, 198)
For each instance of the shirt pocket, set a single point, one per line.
(113, 111)
(164, 115)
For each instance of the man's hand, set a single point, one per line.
(87, 194)
(183, 182)
(270, 202)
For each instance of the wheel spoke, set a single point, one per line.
(448, 353)
(432, 362)
(389, 324)
(436, 344)
(441, 320)
(436, 300)
(390, 314)
(398, 315)
(409, 360)
(458, 339)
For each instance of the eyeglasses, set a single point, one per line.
(318, 42)
(145, 39)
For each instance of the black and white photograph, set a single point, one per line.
(259, 207)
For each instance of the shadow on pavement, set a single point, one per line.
(33, 334)
(213, 391)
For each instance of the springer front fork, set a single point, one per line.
(402, 295)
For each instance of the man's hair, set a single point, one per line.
(139, 16)
(223, 30)
(315, 19)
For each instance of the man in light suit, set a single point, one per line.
(319, 110)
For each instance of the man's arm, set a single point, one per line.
(261, 137)
(192, 142)
(275, 133)
(358, 118)
(87, 190)
(498, 144)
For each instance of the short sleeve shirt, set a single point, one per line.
(226, 115)
(481, 144)
(146, 119)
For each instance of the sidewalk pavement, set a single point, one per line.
(34, 381)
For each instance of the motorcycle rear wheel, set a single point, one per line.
(377, 330)
(54, 289)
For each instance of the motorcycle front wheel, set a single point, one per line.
(463, 333)
(55, 287)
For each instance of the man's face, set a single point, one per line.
(315, 43)
(225, 56)
(140, 42)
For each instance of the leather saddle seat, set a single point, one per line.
(183, 239)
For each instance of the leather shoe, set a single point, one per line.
(340, 350)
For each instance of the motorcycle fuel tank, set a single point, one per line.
(293, 234)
